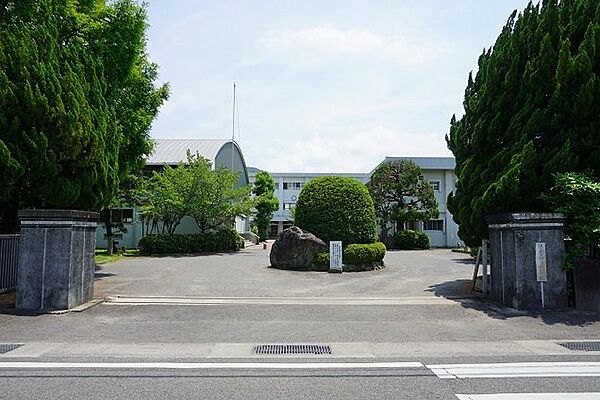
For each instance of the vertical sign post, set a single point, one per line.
(335, 257)
(540, 267)
(484, 267)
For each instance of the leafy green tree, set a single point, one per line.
(77, 97)
(169, 194)
(218, 200)
(401, 195)
(265, 202)
(577, 196)
(210, 197)
(530, 111)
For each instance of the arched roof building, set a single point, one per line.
(220, 152)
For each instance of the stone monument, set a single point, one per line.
(295, 249)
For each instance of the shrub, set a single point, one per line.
(321, 259)
(361, 254)
(356, 254)
(577, 196)
(411, 240)
(212, 241)
(337, 208)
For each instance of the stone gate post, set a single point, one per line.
(56, 259)
(528, 255)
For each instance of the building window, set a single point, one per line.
(297, 185)
(285, 186)
(435, 185)
(287, 206)
(118, 215)
(287, 224)
(273, 229)
(434, 225)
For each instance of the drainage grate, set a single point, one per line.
(292, 349)
(5, 348)
(581, 346)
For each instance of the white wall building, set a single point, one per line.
(439, 171)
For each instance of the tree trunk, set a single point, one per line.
(109, 234)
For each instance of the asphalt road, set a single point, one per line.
(198, 311)
(274, 385)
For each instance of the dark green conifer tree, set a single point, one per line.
(77, 97)
(532, 110)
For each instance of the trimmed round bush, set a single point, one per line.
(172, 243)
(411, 240)
(363, 254)
(337, 208)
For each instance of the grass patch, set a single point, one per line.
(102, 256)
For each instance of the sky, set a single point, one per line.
(322, 86)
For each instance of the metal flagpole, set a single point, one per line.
(233, 128)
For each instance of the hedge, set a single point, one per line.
(411, 240)
(357, 254)
(337, 208)
(215, 242)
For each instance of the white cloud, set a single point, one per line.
(342, 151)
(328, 41)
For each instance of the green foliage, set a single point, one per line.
(530, 112)
(411, 240)
(356, 254)
(400, 195)
(362, 254)
(265, 202)
(77, 97)
(337, 208)
(222, 240)
(209, 196)
(577, 196)
(321, 259)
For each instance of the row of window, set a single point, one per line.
(290, 185)
(434, 225)
(298, 185)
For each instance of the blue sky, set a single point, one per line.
(323, 86)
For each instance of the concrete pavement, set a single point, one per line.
(247, 274)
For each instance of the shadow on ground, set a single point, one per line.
(466, 261)
(460, 291)
(101, 275)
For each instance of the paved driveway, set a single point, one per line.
(247, 274)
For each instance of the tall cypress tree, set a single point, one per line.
(77, 98)
(532, 110)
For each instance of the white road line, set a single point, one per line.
(206, 366)
(516, 370)
(179, 301)
(530, 396)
